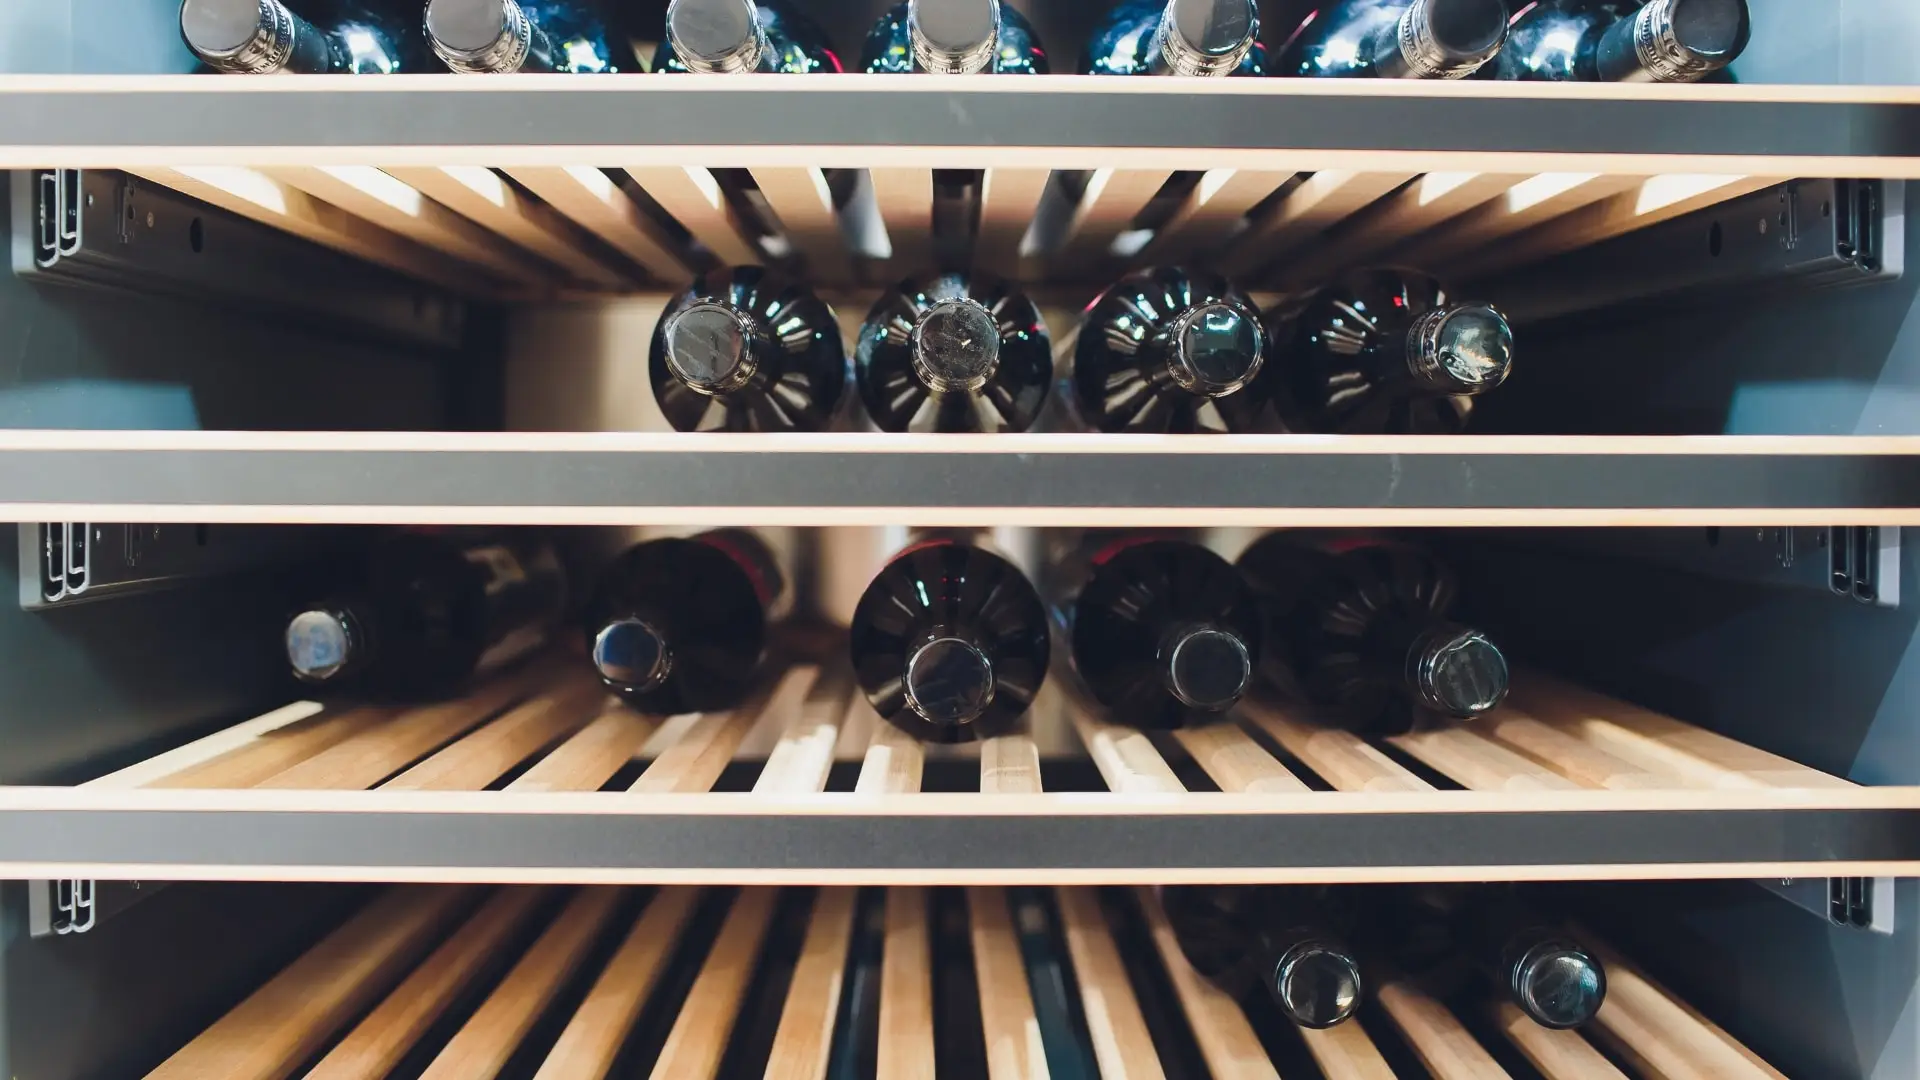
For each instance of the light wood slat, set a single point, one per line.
(590, 1043)
(1443, 1045)
(391, 204)
(1010, 765)
(1477, 763)
(592, 755)
(1667, 1006)
(893, 763)
(803, 1043)
(1014, 1050)
(489, 752)
(905, 197)
(1227, 1042)
(1126, 758)
(856, 730)
(1325, 199)
(1655, 199)
(1539, 198)
(1114, 197)
(1430, 200)
(487, 1041)
(483, 196)
(283, 722)
(1346, 1052)
(1605, 717)
(1341, 758)
(705, 1024)
(1234, 761)
(905, 1045)
(1009, 201)
(1583, 763)
(802, 758)
(594, 202)
(256, 196)
(1212, 212)
(698, 758)
(1122, 1044)
(1559, 1055)
(695, 200)
(280, 750)
(378, 1043)
(800, 199)
(373, 755)
(290, 1018)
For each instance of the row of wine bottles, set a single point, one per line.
(950, 641)
(1592, 40)
(1313, 949)
(1161, 350)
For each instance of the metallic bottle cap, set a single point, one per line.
(1457, 671)
(1558, 984)
(1208, 668)
(632, 655)
(1205, 37)
(1450, 39)
(1217, 349)
(1685, 40)
(949, 680)
(1316, 984)
(717, 36)
(956, 346)
(1460, 349)
(954, 37)
(240, 36)
(710, 347)
(320, 644)
(480, 37)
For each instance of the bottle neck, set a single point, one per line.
(485, 37)
(1440, 39)
(1552, 978)
(1459, 349)
(1214, 349)
(714, 348)
(1205, 667)
(1672, 41)
(953, 37)
(1316, 982)
(327, 643)
(247, 37)
(718, 37)
(1203, 37)
(956, 346)
(949, 678)
(632, 655)
(1450, 669)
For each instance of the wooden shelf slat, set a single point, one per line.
(1346, 1052)
(1009, 201)
(302, 723)
(1010, 765)
(1113, 198)
(1428, 201)
(801, 760)
(591, 756)
(1341, 758)
(905, 198)
(703, 752)
(483, 196)
(700, 1033)
(1212, 212)
(1122, 1044)
(1478, 763)
(1558, 1054)
(1657, 1030)
(1324, 200)
(893, 762)
(1236, 762)
(905, 1045)
(590, 1043)
(1441, 1042)
(1537, 199)
(695, 200)
(1014, 1050)
(803, 1043)
(593, 201)
(803, 203)
(490, 751)
(1126, 758)
(1227, 1042)
(1581, 762)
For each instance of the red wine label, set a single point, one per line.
(750, 554)
(1114, 547)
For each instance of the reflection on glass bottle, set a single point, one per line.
(743, 349)
(1386, 352)
(1394, 39)
(421, 613)
(501, 37)
(731, 36)
(953, 37)
(1163, 631)
(1610, 41)
(954, 352)
(1356, 627)
(265, 37)
(950, 642)
(1171, 350)
(1286, 941)
(1177, 37)
(678, 625)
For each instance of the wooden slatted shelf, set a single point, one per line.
(537, 776)
(446, 975)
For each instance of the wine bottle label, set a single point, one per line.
(1421, 50)
(1662, 57)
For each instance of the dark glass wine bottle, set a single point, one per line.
(1280, 940)
(1171, 350)
(950, 642)
(744, 349)
(953, 352)
(422, 612)
(1446, 936)
(501, 37)
(1386, 352)
(1356, 627)
(1163, 631)
(731, 36)
(1669, 41)
(1394, 39)
(953, 37)
(679, 624)
(265, 37)
(1177, 37)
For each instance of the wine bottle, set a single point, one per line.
(953, 352)
(678, 624)
(950, 641)
(1163, 631)
(953, 37)
(1386, 352)
(1395, 39)
(1177, 37)
(743, 349)
(731, 36)
(1356, 627)
(1610, 41)
(422, 612)
(501, 37)
(265, 37)
(1279, 940)
(1171, 350)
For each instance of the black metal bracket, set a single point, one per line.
(1857, 903)
(68, 562)
(76, 905)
